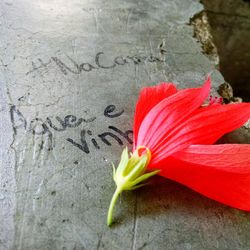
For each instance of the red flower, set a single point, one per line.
(173, 134)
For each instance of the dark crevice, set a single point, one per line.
(229, 23)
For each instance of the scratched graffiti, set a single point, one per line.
(86, 137)
(74, 67)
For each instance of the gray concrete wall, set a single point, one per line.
(63, 64)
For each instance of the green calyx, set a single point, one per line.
(130, 174)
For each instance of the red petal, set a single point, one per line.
(148, 98)
(170, 113)
(220, 172)
(227, 157)
(206, 126)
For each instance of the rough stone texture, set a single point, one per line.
(54, 194)
(202, 32)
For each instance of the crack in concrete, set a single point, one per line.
(99, 241)
(134, 230)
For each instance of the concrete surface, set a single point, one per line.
(70, 76)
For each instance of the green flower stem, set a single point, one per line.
(112, 205)
(130, 174)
